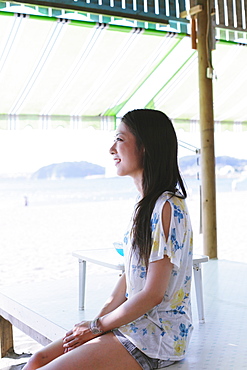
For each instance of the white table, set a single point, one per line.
(110, 258)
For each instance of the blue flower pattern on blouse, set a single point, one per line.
(174, 240)
(140, 270)
(133, 327)
(183, 330)
(126, 238)
(178, 213)
(180, 309)
(187, 279)
(154, 221)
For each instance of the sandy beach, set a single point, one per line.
(37, 241)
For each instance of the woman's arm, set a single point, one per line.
(156, 284)
(117, 297)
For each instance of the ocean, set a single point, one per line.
(42, 192)
(43, 221)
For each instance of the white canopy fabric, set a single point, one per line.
(58, 67)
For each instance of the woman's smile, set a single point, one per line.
(116, 160)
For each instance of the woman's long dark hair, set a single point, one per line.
(154, 133)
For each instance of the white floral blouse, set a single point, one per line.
(165, 330)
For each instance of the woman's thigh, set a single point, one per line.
(102, 353)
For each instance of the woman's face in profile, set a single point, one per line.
(127, 156)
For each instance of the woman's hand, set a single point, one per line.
(79, 335)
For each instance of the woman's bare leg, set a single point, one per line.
(45, 355)
(102, 353)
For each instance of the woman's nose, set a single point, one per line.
(113, 149)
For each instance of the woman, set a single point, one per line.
(146, 323)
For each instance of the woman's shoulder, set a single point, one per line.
(176, 201)
(175, 198)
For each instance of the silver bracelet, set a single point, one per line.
(94, 327)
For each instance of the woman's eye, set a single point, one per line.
(118, 139)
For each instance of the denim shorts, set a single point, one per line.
(146, 363)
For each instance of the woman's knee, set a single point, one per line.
(36, 361)
(45, 355)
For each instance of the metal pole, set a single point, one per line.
(82, 284)
(207, 132)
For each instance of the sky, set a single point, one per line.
(25, 151)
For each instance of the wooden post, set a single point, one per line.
(6, 337)
(207, 133)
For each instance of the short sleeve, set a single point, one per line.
(175, 243)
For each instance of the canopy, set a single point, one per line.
(63, 68)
